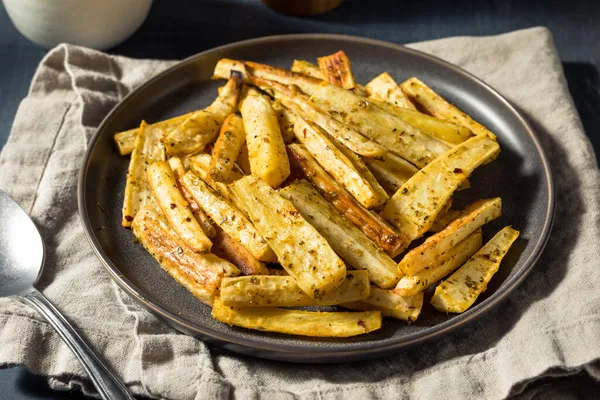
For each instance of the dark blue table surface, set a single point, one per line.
(179, 28)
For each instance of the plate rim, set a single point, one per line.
(285, 352)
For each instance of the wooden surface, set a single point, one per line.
(178, 28)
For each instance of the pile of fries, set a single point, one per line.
(302, 188)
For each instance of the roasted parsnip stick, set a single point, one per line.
(435, 104)
(266, 150)
(297, 322)
(302, 251)
(175, 207)
(418, 202)
(201, 274)
(228, 217)
(467, 222)
(282, 291)
(205, 222)
(441, 267)
(344, 238)
(226, 150)
(368, 222)
(202, 127)
(148, 149)
(384, 88)
(368, 193)
(457, 293)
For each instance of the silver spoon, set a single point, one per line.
(21, 260)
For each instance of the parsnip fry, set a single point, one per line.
(343, 237)
(435, 104)
(286, 119)
(368, 222)
(200, 128)
(227, 148)
(336, 69)
(384, 88)
(444, 130)
(250, 69)
(175, 207)
(125, 140)
(307, 68)
(419, 201)
(282, 291)
(297, 322)
(231, 250)
(205, 222)
(300, 249)
(266, 150)
(386, 129)
(148, 149)
(390, 304)
(457, 293)
(441, 267)
(443, 219)
(228, 217)
(334, 161)
(201, 274)
(391, 171)
(468, 221)
(299, 104)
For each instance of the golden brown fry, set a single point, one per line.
(125, 140)
(231, 250)
(344, 238)
(282, 291)
(243, 161)
(302, 251)
(307, 68)
(419, 201)
(255, 70)
(393, 133)
(391, 171)
(297, 322)
(457, 293)
(148, 149)
(336, 69)
(390, 304)
(447, 131)
(441, 267)
(368, 222)
(299, 104)
(468, 221)
(435, 104)
(384, 88)
(266, 150)
(339, 164)
(201, 127)
(175, 208)
(228, 217)
(205, 222)
(286, 119)
(226, 150)
(201, 274)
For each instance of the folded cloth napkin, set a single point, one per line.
(549, 326)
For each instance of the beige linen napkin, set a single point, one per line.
(549, 326)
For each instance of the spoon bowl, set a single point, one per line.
(22, 255)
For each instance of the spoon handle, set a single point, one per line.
(107, 383)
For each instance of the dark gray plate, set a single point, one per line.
(521, 176)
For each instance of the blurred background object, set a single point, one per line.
(99, 24)
(302, 7)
